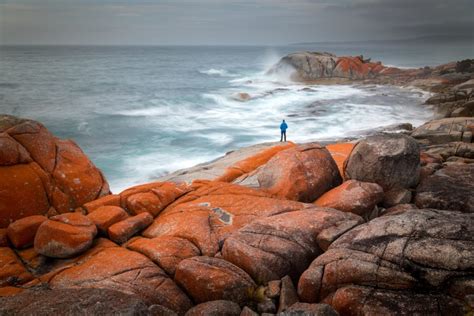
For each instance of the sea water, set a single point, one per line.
(141, 112)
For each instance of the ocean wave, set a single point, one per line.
(217, 72)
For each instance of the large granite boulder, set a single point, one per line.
(445, 130)
(284, 244)
(40, 171)
(302, 173)
(421, 254)
(450, 188)
(390, 160)
(309, 66)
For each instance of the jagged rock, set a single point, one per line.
(390, 160)
(288, 295)
(450, 188)
(121, 231)
(412, 251)
(443, 130)
(273, 289)
(302, 173)
(353, 196)
(267, 306)
(300, 309)
(284, 244)
(166, 251)
(23, 231)
(215, 308)
(85, 301)
(208, 279)
(40, 171)
(105, 216)
(65, 235)
(246, 311)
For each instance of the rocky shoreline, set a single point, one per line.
(379, 226)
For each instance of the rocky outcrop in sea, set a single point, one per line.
(382, 225)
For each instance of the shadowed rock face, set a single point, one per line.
(390, 160)
(40, 171)
(415, 251)
(73, 302)
(450, 188)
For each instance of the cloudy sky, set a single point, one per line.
(193, 22)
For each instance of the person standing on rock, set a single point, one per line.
(283, 128)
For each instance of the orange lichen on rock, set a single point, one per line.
(105, 216)
(22, 232)
(340, 152)
(12, 271)
(65, 235)
(120, 232)
(40, 171)
(251, 163)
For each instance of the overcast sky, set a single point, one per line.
(190, 22)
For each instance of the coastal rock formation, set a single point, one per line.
(302, 173)
(353, 196)
(445, 130)
(422, 254)
(450, 188)
(215, 308)
(40, 171)
(390, 160)
(310, 66)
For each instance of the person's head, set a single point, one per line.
(283, 121)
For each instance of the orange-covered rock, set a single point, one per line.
(285, 244)
(152, 197)
(107, 200)
(166, 251)
(122, 231)
(302, 173)
(209, 279)
(9, 291)
(40, 171)
(340, 152)
(23, 231)
(12, 271)
(119, 269)
(3, 237)
(353, 196)
(105, 216)
(214, 210)
(253, 162)
(356, 68)
(65, 235)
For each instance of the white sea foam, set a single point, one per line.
(217, 72)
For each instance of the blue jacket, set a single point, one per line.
(283, 127)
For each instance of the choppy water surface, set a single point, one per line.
(140, 112)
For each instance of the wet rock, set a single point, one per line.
(116, 268)
(122, 231)
(299, 309)
(444, 130)
(288, 295)
(215, 308)
(450, 188)
(392, 161)
(302, 173)
(65, 235)
(353, 196)
(413, 251)
(208, 279)
(272, 247)
(22, 232)
(165, 251)
(105, 216)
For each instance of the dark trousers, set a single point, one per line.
(283, 134)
